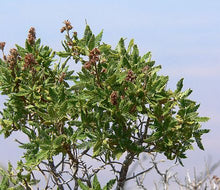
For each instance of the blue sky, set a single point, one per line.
(182, 35)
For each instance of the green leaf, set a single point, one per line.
(63, 108)
(63, 54)
(91, 43)
(82, 186)
(110, 184)
(199, 143)
(135, 54)
(28, 47)
(179, 85)
(53, 94)
(202, 119)
(98, 38)
(105, 48)
(96, 185)
(154, 137)
(131, 44)
(186, 93)
(97, 148)
(59, 140)
(52, 113)
(146, 56)
(121, 47)
(21, 50)
(118, 155)
(87, 34)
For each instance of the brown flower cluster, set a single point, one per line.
(12, 58)
(93, 58)
(31, 36)
(130, 76)
(29, 61)
(2, 46)
(114, 98)
(67, 26)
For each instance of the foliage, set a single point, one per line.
(117, 104)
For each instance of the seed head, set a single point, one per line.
(12, 58)
(94, 55)
(13, 52)
(114, 98)
(31, 36)
(2, 46)
(68, 25)
(130, 76)
(87, 65)
(29, 60)
(62, 29)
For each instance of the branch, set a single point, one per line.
(145, 171)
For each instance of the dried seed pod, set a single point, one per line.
(87, 65)
(62, 29)
(29, 60)
(2, 46)
(31, 36)
(130, 76)
(96, 51)
(13, 52)
(114, 98)
(68, 25)
(12, 58)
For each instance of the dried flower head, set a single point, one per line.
(114, 98)
(2, 46)
(31, 36)
(29, 60)
(87, 65)
(12, 58)
(130, 76)
(68, 25)
(13, 52)
(62, 29)
(96, 51)
(94, 55)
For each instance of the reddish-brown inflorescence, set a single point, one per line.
(94, 55)
(31, 36)
(29, 60)
(67, 26)
(12, 58)
(93, 58)
(130, 76)
(114, 98)
(87, 65)
(2, 46)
